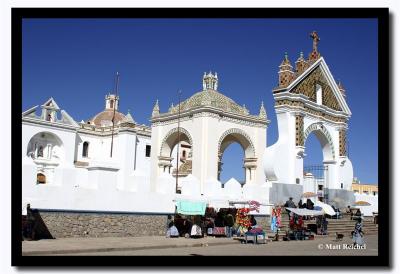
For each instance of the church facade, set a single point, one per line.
(112, 168)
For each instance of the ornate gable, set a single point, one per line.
(308, 87)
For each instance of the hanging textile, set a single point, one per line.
(191, 207)
(273, 224)
(254, 206)
(276, 219)
(278, 216)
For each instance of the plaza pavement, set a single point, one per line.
(208, 246)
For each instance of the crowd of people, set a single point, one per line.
(235, 220)
(199, 226)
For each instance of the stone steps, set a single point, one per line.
(343, 226)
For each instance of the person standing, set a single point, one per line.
(289, 204)
(358, 234)
(31, 223)
(229, 222)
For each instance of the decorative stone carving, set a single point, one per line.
(307, 87)
(299, 130)
(342, 142)
(172, 131)
(236, 131)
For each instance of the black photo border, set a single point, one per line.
(384, 254)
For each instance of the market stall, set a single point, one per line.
(297, 231)
(245, 223)
(188, 217)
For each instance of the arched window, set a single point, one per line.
(85, 149)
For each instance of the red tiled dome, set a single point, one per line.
(104, 118)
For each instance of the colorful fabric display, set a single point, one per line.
(256, 230)
(191, 208)
(242, 218)
(219, 231)
(274, 224)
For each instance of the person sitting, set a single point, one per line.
(348, 209)
(187, 228)
(310, 204)
(300, 204)
(172, 231)
(358, 214)
(338, 213)
(219, 220)
(253, 222)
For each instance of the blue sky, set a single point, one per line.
(75, 61)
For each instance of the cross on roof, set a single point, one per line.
(316, 39)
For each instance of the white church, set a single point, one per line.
(112, 165)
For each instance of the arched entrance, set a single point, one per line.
(318, 142)
(168, 150)
(239, 136)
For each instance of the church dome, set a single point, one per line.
(211, 98)
(104, 118)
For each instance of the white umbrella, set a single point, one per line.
(326, 208)
(305, 212)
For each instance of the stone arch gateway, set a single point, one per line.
(208, 121)
(235, 135)
(309, 101)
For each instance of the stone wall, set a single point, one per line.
(71, 224)
(264, 222)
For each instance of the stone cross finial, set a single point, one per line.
(316, 39)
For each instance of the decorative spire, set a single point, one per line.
(285, 72)
(156, 110)
(128, 118)
(301, 64)
(210, 81)
(301, 57)
(171, 108)
(286, 61)
(263, 113)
